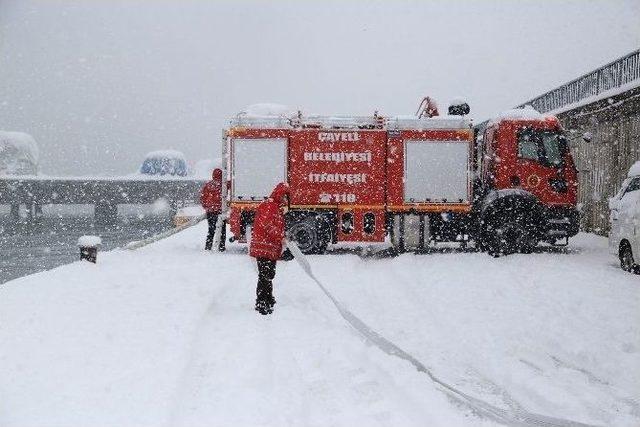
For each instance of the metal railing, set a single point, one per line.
(611, 76)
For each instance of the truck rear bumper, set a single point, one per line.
(562, 222)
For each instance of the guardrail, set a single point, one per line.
(611, 76)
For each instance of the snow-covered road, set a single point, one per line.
(166, 335)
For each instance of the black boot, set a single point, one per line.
(264, 290)
(269, 297)
(263, 299)
(263, 307)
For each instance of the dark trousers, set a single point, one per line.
(212, 219)
(266, 273)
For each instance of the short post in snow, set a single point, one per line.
(89, 247)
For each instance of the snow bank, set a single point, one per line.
(634, 170)
(89, 241)
(167, 336)
(19, 154)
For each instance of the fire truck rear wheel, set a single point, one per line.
(306, 234)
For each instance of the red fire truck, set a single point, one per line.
(417, 180)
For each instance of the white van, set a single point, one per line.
(624, 217)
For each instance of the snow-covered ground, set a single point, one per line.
(167, 335)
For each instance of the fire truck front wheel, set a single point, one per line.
(307, 233)
(508, 232)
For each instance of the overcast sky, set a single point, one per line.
(100, 83)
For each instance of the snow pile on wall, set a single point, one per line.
(89, 241)
(634, 170)
(18, 154)
(164, 162)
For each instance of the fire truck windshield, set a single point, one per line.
(545, 147)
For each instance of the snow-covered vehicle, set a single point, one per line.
(18, 154)
(164, 162)
(624, 218)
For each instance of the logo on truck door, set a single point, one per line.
(338, 136)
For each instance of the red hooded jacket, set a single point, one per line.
(268, 225)
(211, 194)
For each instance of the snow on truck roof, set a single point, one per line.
(344, 122)
(89, 241)
(437, 122)
(526, 113)
(264, 115)
(351, 122)
(260, 122)
(277, 116)
(458, 100)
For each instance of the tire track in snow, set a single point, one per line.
(191, 357)
(192, 385)
(361, 392)
(513, 417)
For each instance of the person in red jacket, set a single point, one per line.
(211, 201)
(266, 245)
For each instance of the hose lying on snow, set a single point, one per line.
(514, 417)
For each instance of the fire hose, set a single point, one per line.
(516, 416)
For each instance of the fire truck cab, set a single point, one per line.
(527, 183)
